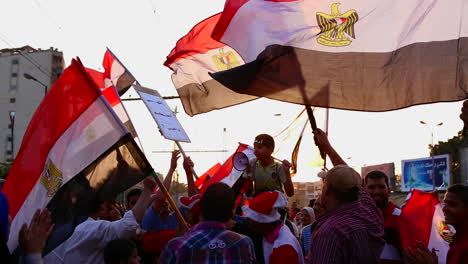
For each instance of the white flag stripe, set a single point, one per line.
(435, 240)
(94, 132)
(195, 68)
(383, 25)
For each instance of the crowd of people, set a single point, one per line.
(353, 221)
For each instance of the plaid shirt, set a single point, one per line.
(351, 234)
(209, 242)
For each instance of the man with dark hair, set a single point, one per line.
(377, 185)
(279, 244)
(456, 214)
(158, 216)
(89, 239)
(121, 251)
(351, 229)
(209, 241)
(132, 198)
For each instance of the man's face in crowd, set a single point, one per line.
(455, 211)
(132, 200)
(163, 207)
(259, 228)
(379, 191)
(318, 208)
(261, 151)
(294, 205)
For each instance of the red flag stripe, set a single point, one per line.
(212, 171)
(48, 124)
(197, 41)
(230, 9)
(225, 169)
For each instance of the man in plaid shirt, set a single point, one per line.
(209, 241)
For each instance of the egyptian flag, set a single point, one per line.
(116, 74)
(74, 155)
(422, 219)
(228, 173)
(110, 94)
(207, 175)
(193, 57)
(372, 55)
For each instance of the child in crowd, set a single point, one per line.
(267, 174)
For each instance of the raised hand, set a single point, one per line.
(33, 238)
(174, 158)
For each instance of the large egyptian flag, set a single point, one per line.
(372, 55)
(74, 155)
(193, 57)
(422, 219)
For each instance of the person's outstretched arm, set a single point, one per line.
(188, 167)
(321, 140)
(288, 185)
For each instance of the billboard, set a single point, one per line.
(387, 168)
(416, 173)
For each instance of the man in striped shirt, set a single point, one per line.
(351, 229)
(210, 241)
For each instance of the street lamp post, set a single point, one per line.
(32, 78)
(430, 152)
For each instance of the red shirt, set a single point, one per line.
(391, 253)
(459, 247)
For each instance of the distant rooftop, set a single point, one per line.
(24, 49)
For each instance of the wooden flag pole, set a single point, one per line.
(185, 156)
(313, 124)
(170, 201)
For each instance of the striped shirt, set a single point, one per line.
(351, 234)
(209, 242)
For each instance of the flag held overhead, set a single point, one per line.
(349, 48)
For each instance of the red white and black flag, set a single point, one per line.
(116, 74)
(75, 154)
(196, 54)
(371, 55)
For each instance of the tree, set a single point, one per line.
(451, 146)
(5, 168)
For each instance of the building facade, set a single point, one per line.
(304, 192)
(26, 74)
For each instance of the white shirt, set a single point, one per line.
(86, 244)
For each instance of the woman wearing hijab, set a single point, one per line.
(308, 217)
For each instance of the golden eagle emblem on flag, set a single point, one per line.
(334, 26)
(445, 232)
(225, 60)
(51, 178)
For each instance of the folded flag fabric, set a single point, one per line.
(192, 58)
(422, 219)
(75, 154)
(372, 55)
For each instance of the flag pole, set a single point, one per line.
(313, 124)
(185, 156)
(170, 200)
(126, 112)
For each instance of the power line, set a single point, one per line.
(27, 57)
